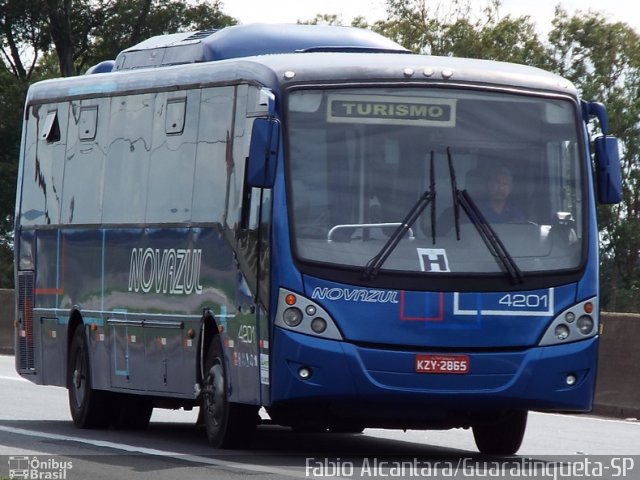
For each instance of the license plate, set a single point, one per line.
(458, 364)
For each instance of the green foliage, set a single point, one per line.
(323, 19)
(434, 30)
(603, 60)
(12, 92)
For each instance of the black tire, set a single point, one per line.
(89, 408)
(228, 425)
(502, 437)
(131, 412)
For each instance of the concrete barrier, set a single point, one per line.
(618, 382)
(7, 319)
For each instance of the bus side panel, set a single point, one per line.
(157, 283)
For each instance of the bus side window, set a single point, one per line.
(86, 140)
(88, 122)
(127, 159)
(44, 172)
(175, 133)
(51, 129)
(214, 161)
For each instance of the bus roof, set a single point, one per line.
(250, 40)
(278, 71)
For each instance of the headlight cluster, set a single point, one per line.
(298, 313)
(576, 323)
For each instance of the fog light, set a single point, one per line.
(585, 324)
(318, 325)
(304, 373)
(562, 332)
(292, 317)
(570, 317)
(571, 379)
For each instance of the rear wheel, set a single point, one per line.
(502, 437)
(89, 408)
(228, 425)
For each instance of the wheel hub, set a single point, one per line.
(214, 394)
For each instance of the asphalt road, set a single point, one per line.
(36, 435)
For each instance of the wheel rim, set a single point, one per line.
(78, 379)
(214, 401)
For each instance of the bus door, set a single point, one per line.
(249, 215)
(252, 343)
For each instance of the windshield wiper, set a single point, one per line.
(428, 197)
(454, 194)
(487, 233)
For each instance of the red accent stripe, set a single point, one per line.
(439, 318)
(49, 291)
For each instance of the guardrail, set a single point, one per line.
(618, 385)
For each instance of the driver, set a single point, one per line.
(497, 207)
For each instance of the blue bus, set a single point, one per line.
(312, 220)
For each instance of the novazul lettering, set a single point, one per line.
(355, 295)
(173, 271)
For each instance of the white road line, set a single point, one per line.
(590, 418)
(158, 453)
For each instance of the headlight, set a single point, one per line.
(292, 316)
(585, 324)
(318, 325)
(562, 332)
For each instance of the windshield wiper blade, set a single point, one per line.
(486, 231)
(428, 196)
(490, 236)
(454, 194)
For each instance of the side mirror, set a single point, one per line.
(263, 153)
(608, 176)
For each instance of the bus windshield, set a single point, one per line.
(359, 159)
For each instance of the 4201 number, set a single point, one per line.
(520, 300)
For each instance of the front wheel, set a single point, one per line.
(502, 437)
(228, 425)
(89, 408)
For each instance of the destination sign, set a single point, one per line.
(386, 110)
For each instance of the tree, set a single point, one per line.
(12, 92)
(451, 29)
(84, 32)
(603, 61)
(23, 35)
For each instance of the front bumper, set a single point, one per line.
(380, 383)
